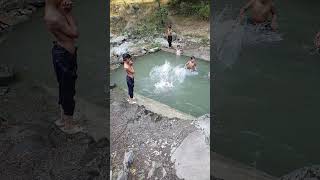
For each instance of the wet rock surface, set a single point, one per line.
(32, 147)
(138, 47)
(306, 173)
(13, 12)
(151, 137)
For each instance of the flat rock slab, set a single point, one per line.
(192, 158)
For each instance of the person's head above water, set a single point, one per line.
(192, 59)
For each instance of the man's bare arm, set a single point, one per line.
(246, 7)
(317, 40)
(130, 70)
(68, 28)
(72, 22)
(273, 12)
(274, 23)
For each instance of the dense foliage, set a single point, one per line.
(153, 24)
(199, 8)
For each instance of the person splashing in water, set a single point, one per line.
(179, 50)
(128, 67)
(191, 64)
(261, 11)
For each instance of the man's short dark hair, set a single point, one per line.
(126, 56)
(192, 57)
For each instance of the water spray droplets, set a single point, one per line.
(166, 77)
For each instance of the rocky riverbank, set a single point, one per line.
(32, 147)
(13, 12)
(306, 173)
(138, 47)
(124, 38)
(160, 147)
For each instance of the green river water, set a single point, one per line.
(170, 83)
(267, 105)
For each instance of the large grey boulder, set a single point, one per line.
(162, 41)
(122, 49)
(118, 40)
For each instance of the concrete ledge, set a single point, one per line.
(162, 109)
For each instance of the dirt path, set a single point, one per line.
(190, 26)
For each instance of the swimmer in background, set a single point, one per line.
(261, 11)
(191, 64)
(179, 50)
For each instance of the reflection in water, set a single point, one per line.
(271, 89)
(230, 36)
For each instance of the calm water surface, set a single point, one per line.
(267, 104)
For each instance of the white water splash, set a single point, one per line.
(165, 77)
(230, 36)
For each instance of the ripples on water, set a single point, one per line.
(230, 36)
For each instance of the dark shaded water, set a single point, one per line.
(28, 48)
(267, 105)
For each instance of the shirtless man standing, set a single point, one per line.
(61, 23)
(128, 67)
(169, 36)
(191, 64)
(261, 10)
